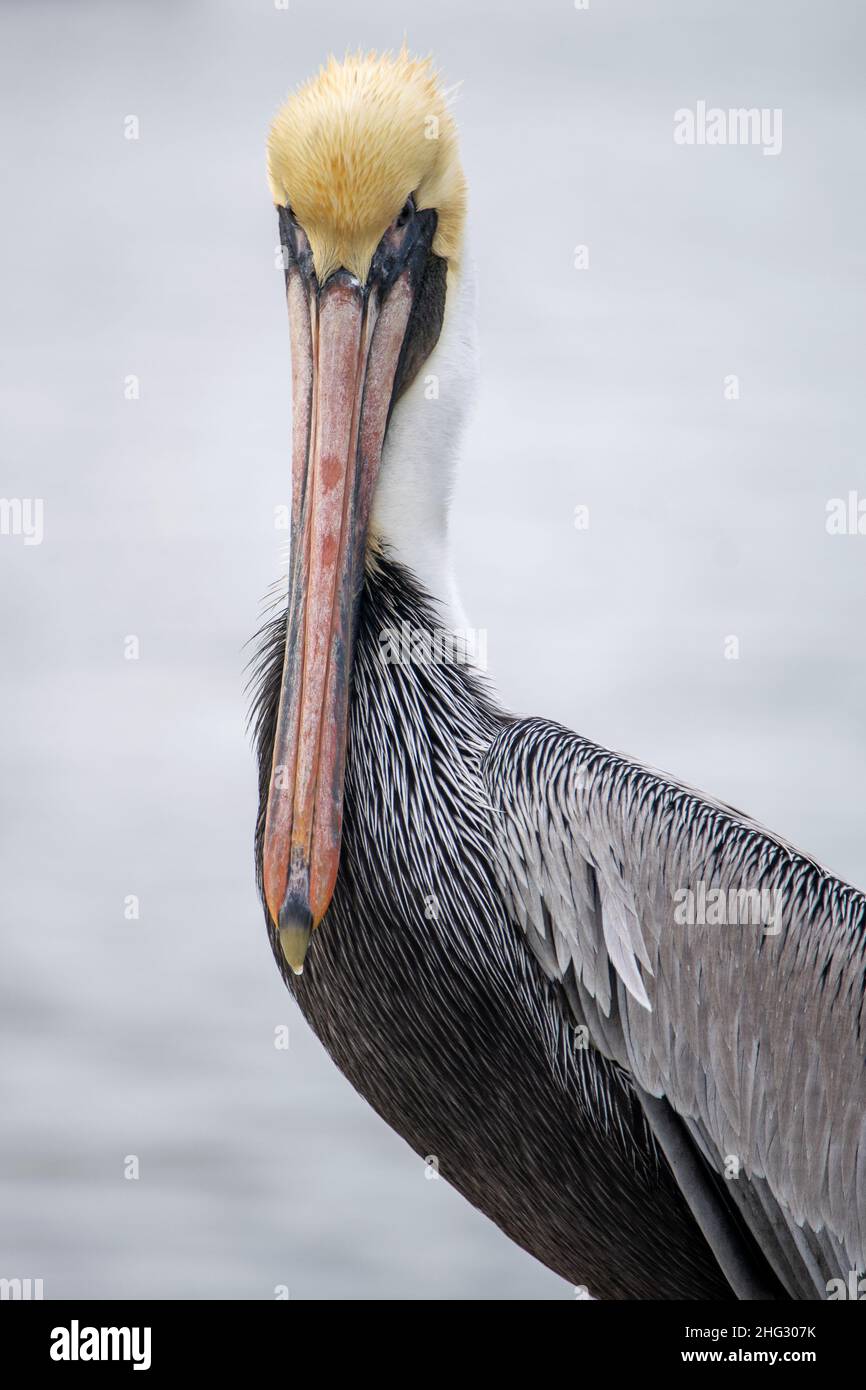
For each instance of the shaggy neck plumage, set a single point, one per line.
(423, 990)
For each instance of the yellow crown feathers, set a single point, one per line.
(349, 147)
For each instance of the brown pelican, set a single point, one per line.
(526, 951)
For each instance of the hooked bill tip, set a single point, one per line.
(295, 936)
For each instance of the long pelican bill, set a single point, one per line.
(346, 339)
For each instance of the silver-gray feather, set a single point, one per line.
(754, 1033)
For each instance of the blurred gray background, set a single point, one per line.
(602, 387)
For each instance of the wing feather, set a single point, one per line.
(752, 1030)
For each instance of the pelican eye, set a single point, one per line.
(407, 211)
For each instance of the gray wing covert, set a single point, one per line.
(752, 1029)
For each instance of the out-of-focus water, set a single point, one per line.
(154, 1037)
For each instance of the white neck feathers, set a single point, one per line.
(413, 492)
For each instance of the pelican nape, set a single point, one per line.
(506, 959)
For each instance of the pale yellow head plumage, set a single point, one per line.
(348, 148)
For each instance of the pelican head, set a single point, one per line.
(365, 174)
